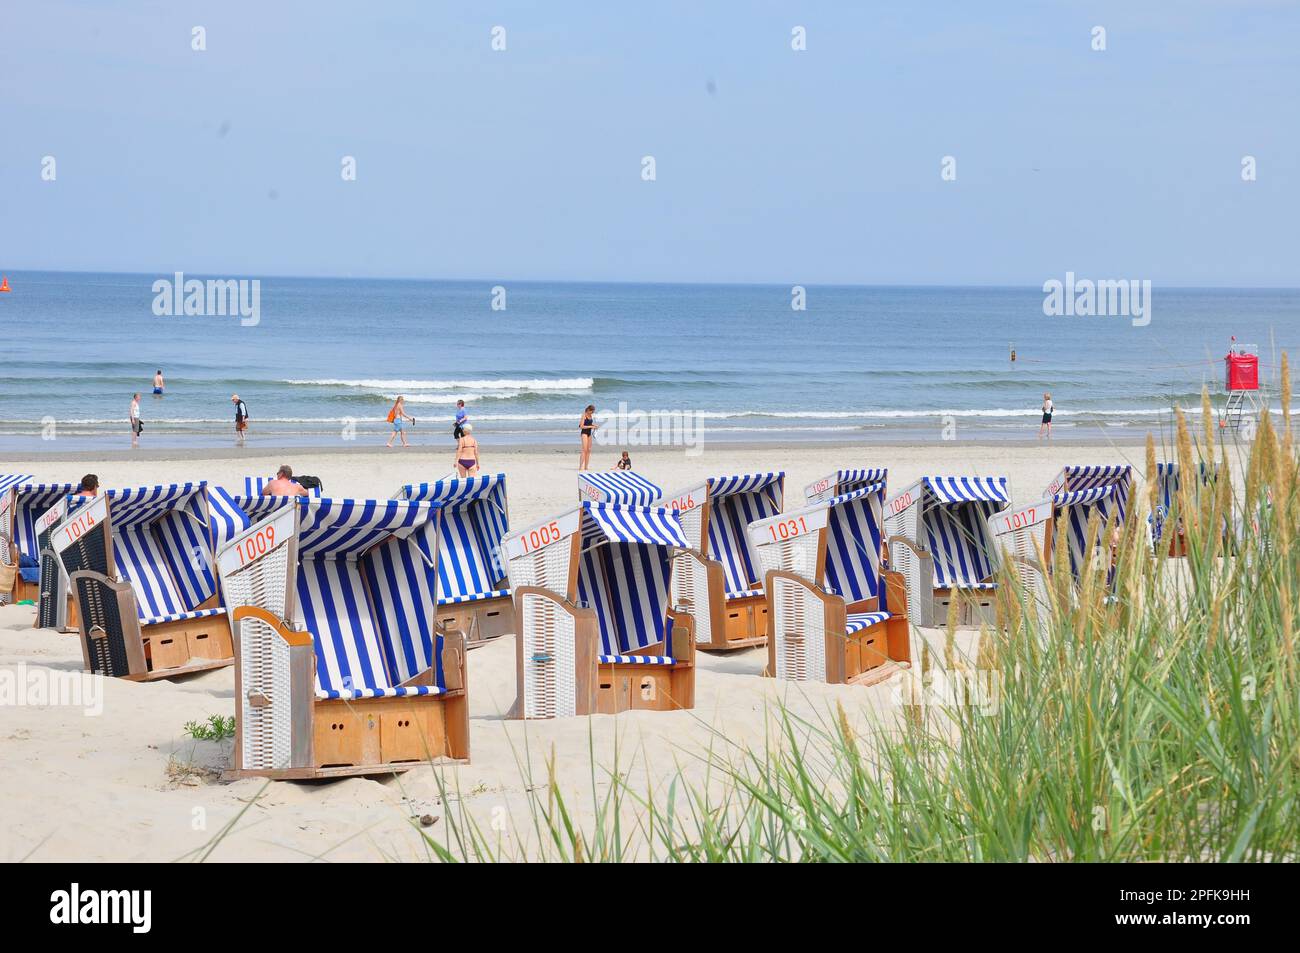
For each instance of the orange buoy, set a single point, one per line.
(4, 284)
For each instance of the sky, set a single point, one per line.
(815, 166)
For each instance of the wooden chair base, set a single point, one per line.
(376, 736)
(186, 646)
(481, 622)
(632, 687)
(744, 626)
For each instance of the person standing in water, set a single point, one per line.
(241, 418)
(158, 383)
(1048, 409)
(586, 427)
(134, 417)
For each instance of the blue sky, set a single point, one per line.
(777, 166)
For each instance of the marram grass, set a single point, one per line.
(1158, 724)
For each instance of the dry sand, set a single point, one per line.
(128, 784)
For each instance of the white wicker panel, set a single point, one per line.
(798, 555)
(798, 626)
(903, 561)
(691, 589)
(264, 582)
(547, 568)
(549, 652)
(693, 526)
(264, 670)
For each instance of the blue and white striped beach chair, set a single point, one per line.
(596, 630)
(841, 482)
(473, 597)
(939, 539)
(835, 614)
(140, 563)
(719, 579)
(22, 504)
(1027, 535)
(1167, 486)
(624, 487)
(340, 667)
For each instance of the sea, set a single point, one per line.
(321, 361)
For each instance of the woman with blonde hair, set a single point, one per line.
(397, 416)
(1048, 409)
(466, 452)
(586, 428)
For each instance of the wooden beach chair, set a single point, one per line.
(140, 564)
(1165, 519)
(841, 482)
(625, 487)
(1027, 535)
(27, 512)
(340, 669)
(835, 614)
(938, 538)
(718, 580)
(471, 579)
(596, 630)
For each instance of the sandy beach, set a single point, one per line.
(129, 784)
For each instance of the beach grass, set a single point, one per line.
(1155, 720)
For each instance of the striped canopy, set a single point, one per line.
(955, 523)
(734, 503)
(1167, 486)
(364, 593)
(617, 486)
(30, 502)
(10, 480)
(624, 572)
(162, 546)
(948, 490)
(343, 529)
(226, 518)
(846, 481)
(1078, 492)
(648, 525)
(474, 521)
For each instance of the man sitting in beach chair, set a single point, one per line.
(835, 615)
(719, 579)
(473, 597)
(140, 564)
(596, 634)
(340, 669)
(282, 484)
(938, 538)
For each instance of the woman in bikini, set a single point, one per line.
(467, 452)
(586, 428)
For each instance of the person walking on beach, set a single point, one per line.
(1048, 408)
(284, 484)
(241, 418)
(462, 418)
(586, 428)
(134, 417)
(158, 383)
(397, 416)
(466, 452)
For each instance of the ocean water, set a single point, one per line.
(328, 355)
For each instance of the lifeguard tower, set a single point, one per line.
(1241, 384)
